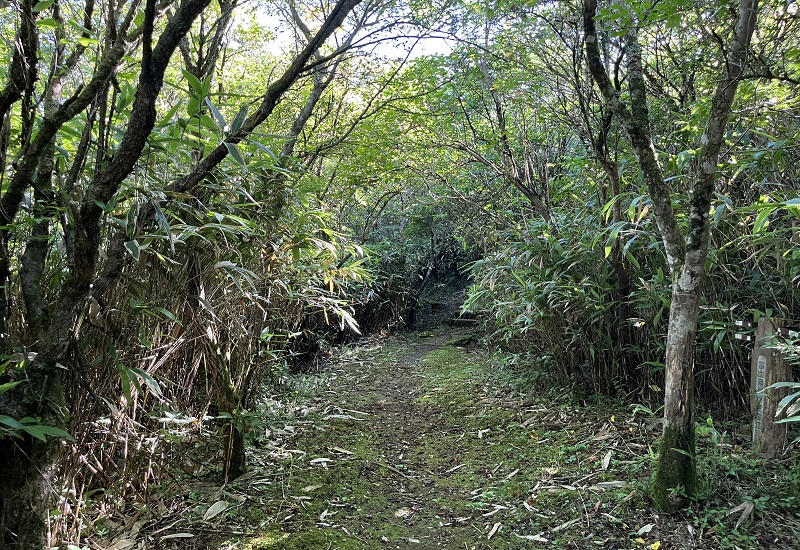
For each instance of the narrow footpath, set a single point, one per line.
(423, 441)
(417, 441)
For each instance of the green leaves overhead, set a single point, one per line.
(48, 23)
(43, 5)
(625, 14)
(256, 227)
(238, 120)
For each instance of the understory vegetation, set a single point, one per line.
(206, 204)
(435, 445)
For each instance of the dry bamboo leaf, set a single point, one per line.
(357, 412)
(603, 485)
(497, 508)
(606, 460)
(528, 506)
(533, 538)
(216, 509)
(566, 525)
(746, 508)
(343, 417)
(340, 450)
(646, 529)
(512, 474)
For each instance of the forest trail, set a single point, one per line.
(389, 466)
(421, 441)
(413, 441)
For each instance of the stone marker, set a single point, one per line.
(768, 367)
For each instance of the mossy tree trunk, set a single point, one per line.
(49, 328)
(28, 463)
(675, 473)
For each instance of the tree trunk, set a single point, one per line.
(622, 291)
(675, 467)
(230, 401)
(675, 475)
(28, 464)
(235, 456)
(28, 470)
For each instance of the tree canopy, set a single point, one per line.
(198, 197)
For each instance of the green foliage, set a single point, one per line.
(499, 155)
(739, 492)
(31, 426)
(553, 296)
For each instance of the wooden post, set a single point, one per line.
(768, 367)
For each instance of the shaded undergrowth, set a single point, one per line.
(414, 442)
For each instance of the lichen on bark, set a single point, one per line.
(675, 473)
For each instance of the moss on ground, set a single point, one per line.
(306, 540)
(417, 444)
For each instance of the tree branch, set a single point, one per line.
(635, 121)
(116, 250)
(88, 231)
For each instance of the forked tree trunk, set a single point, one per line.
(675, 475)
(675, 470)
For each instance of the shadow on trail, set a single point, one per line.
(414, 441)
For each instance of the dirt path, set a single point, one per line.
(407, 442)
(389, 454)
(413, 441)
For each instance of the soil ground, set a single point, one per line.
(421, 441)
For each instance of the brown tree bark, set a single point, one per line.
(675, 475)
(28, 463)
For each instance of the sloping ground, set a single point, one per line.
(415, 442)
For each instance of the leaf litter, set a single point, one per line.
(378, 458)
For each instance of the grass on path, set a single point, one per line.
(414, 442)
